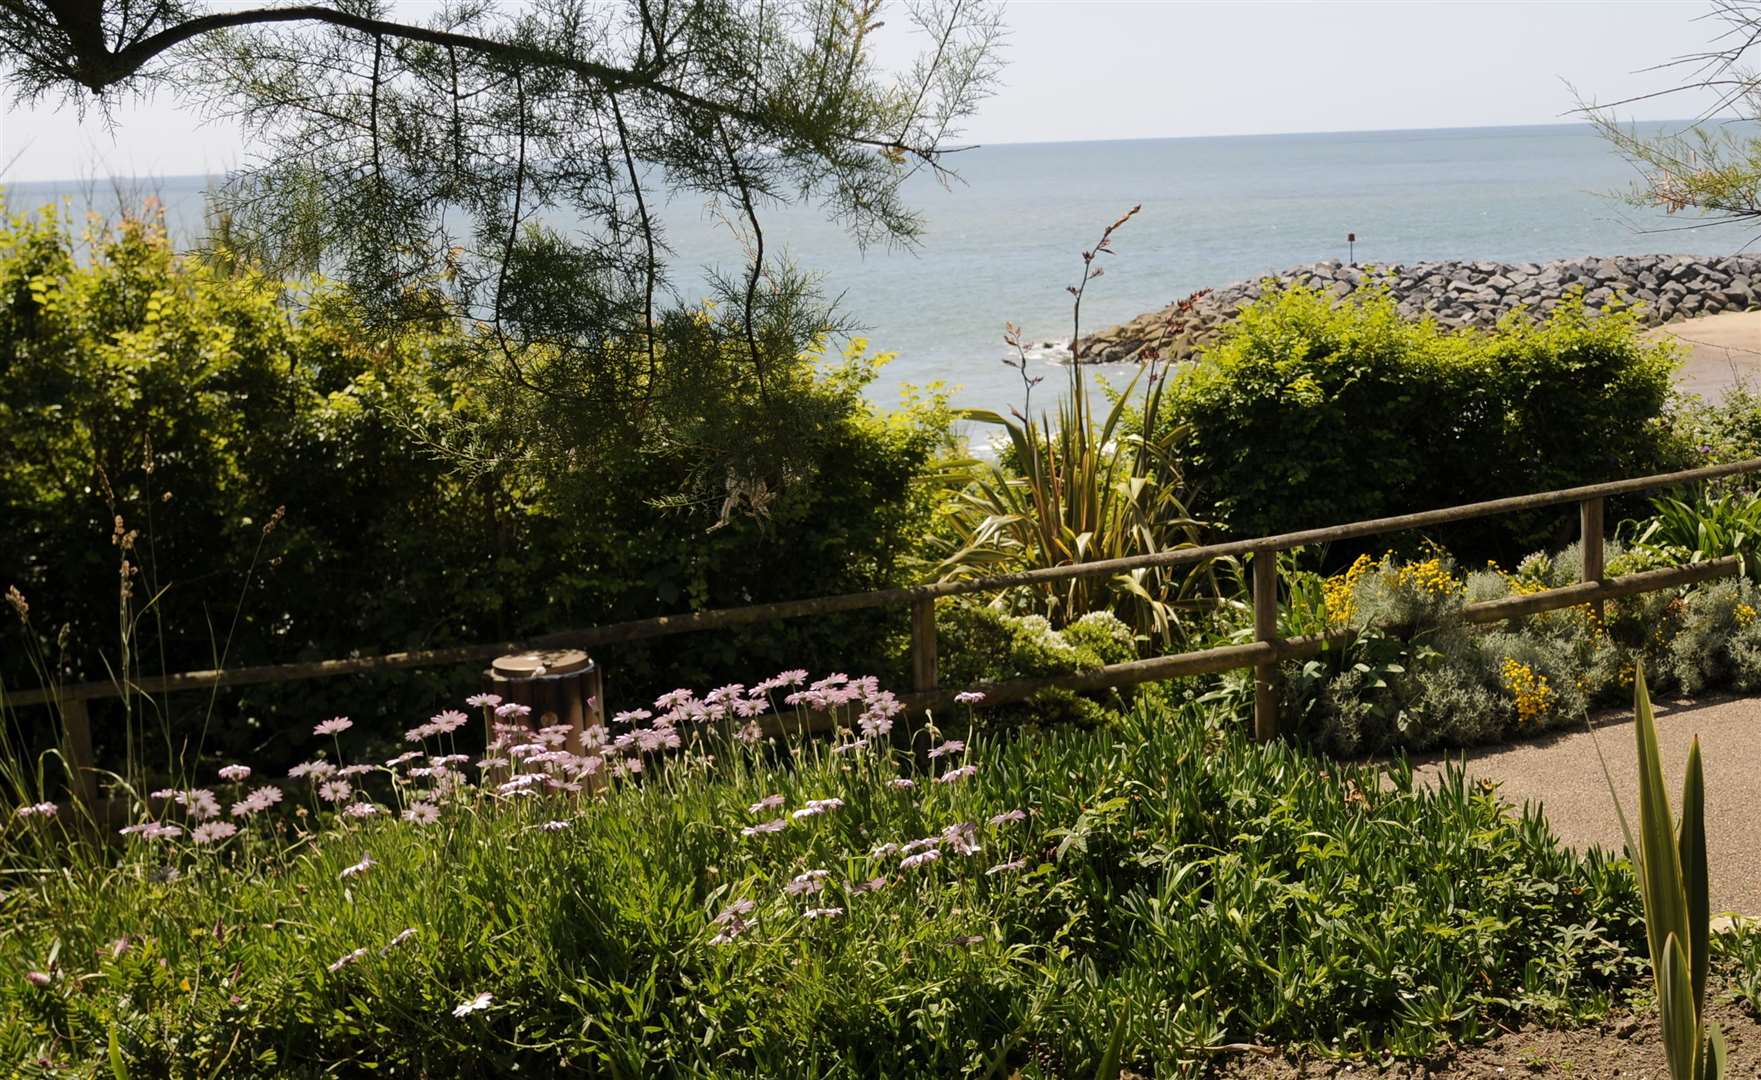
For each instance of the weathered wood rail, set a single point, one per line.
(1263, 654)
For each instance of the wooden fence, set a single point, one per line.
(1263, 654)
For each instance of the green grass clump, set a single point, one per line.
(1170, 881)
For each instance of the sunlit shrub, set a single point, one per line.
(1309, 413)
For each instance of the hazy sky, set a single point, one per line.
(1108, 69)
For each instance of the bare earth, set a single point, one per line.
(1625, 1046)
(1722, 351)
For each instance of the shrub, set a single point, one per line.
(1418, 676)
(156, 410)
(193, 474)
(979, 643)
(1717, 640)
(1723, 430)
(1701, 526)
(1281, 415)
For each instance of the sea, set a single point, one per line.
(1004, 238)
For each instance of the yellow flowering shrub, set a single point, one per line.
(1432, 576)
(1533, 693)
(1340, 591)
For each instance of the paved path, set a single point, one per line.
(1562, 773)
(1722, 350)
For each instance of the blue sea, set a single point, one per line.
(1003, 241)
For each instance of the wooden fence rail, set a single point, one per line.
(1263, 654)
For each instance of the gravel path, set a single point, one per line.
(1561, 772)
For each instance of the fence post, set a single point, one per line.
(1592, 545)
(923, 644)
(76, 722)
(1265, 628)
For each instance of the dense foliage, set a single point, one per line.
(1310, 413)
(1418, 676)
(1018, 908)
(261, 478)
(504, 165)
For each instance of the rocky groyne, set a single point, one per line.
(1669, 287)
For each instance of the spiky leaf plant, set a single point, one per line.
(1671, 863)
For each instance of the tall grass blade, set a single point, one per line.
(1110, 1064)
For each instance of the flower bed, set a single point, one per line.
(688, 897)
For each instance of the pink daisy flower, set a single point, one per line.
(922, 858)
(451, 720)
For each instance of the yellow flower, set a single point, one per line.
(1533, 694)
(1430, 576)
(1745, 615)
(1339, 591)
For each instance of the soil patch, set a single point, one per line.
(1625, 1045)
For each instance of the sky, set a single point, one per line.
(1112, 69)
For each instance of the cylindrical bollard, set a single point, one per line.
(561, 686)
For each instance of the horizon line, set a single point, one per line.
(1458, 128)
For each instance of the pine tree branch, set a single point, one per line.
(97, 67)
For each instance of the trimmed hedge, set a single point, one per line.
(1308, 413)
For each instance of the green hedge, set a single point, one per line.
(1308, 414)
(189, 401)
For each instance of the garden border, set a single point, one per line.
(1263, 654)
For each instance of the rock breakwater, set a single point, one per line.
(1668, 287)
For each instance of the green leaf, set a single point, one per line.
(1675, 1007)
(1717, 1062)
(118, 1065)
(1660, 871)
(1110, 1064)
(1692, 853)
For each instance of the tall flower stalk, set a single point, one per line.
(1075, 488)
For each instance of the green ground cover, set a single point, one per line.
(820, 907)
